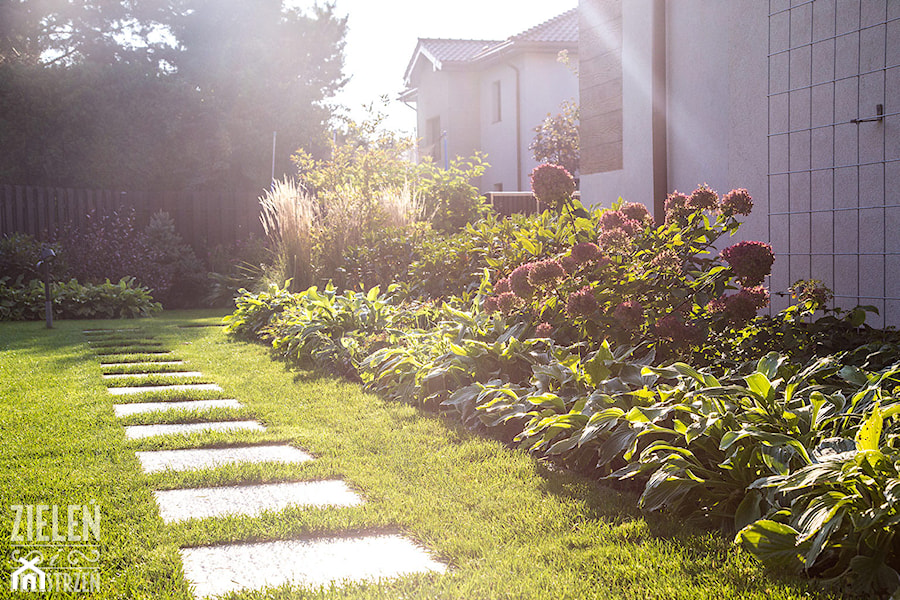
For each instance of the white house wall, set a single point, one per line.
(763, 95)
(716, 109)
(549, 83)
(634, 181)
(497, 138)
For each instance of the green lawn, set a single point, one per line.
(509, 527)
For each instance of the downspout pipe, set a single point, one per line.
(659, 118)
(518, 127)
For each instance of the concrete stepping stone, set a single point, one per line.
(123, 391)
(135, 432)
(154, 374)
(202, 503)
(135, 408)
(131, 350)
(215, 570)
(109, 330)
(205, 458)
(145, 363)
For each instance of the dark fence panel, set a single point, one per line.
(510, 203)
(203, 219)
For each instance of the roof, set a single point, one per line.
(562, 29)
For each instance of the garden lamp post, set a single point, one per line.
(47, 256)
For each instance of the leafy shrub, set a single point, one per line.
(112, 247)
(556, 138)
(72, 300)
(322, 328)
(20, 254)
(185, 278)
(601, 341)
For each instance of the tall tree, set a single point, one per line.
(92, 95)
(264, 68)
(84, 31)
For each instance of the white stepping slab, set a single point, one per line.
(150, 363)
(107, 330)
(205, 458)
(135, 432)
(201, 503)
(158, 373)
(124, 391)
(135, 408)
(215, 570)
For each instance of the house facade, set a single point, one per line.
(489, 95)
(797, 101)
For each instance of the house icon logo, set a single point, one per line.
(28, 577)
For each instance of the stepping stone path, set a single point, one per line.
(219, 569)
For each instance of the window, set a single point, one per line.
(496, 103)
(433, 138)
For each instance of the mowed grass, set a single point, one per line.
(508, 526)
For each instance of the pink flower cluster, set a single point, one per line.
(629, 314)
(552, 185)
(671, 327)
(750, 261)
(812, 291)
(741, 307)
(736, 202)
(586, 252)
(679, 206)
(545, 272)
(582, 303)
(703, 198)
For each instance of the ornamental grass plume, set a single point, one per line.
(288, 215)
(581, 303)
(552, 185)
(545, 272)
(703, 198)
(751, 261)
(629, 314)
(736, 202)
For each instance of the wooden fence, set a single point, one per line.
(510, 203)
(203, 219)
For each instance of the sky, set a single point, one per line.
(382, 36)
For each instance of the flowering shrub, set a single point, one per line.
(634, 282)
(750, 261)
(552, 185)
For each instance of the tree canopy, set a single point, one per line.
(163, 94)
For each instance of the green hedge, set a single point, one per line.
(72, 300)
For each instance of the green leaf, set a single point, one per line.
(749, 510)
(773, 543)
(760, 385)
(869, 434)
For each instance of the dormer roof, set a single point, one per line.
(554, 34)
